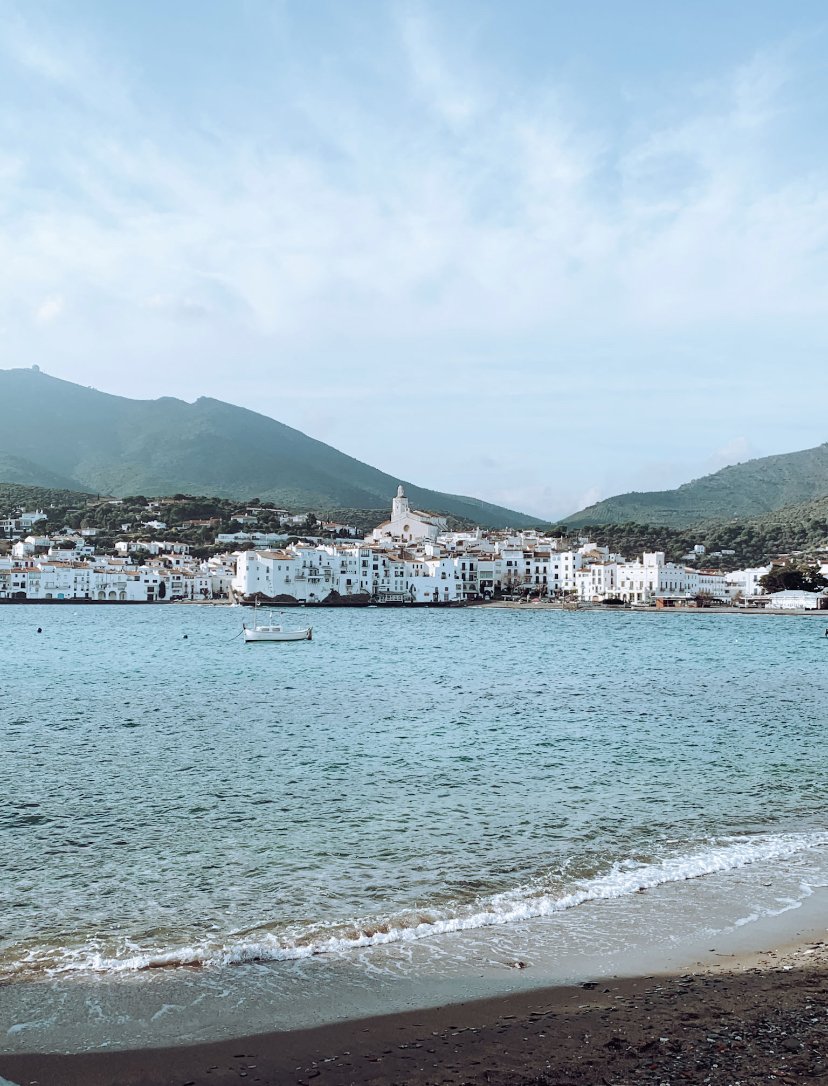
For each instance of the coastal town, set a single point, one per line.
(412, 558)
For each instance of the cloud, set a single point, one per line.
(442, 231)
(734, 451)
(435, 79)
(50, 309)
(509, 229)
(59, 56)
(177, 308)
(589, 497)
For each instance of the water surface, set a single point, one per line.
(172, 796)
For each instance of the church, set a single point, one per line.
(408, 525)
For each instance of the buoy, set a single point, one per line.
(40, 629)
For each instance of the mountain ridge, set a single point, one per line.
(60, 434)
(762, 485)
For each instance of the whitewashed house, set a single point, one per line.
(796, 600)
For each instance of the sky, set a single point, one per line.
(535, 252)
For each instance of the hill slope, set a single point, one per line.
(55, 433)
(25, 473)
(15, 496)
(743, 490)
(801, 528)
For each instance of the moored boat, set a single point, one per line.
(274, 632)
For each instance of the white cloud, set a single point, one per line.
(482, 237)
(734, 451)
(50, 309)
(59, 55)
(177, 308)
(508, 230)
(589, 497)
(435, 79)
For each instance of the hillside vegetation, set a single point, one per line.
(192, 519)
(755, 540)
(743, 490)
(54, 433)
(797, 529)
(16, 497)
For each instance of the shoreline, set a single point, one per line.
(749, 1016)
(752, 1008)
(539, 605)
(456, 605)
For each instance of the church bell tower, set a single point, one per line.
(400, 507)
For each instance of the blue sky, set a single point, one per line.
(535, 252)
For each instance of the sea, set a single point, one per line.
(201, 838)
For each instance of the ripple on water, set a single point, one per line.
(404, 762)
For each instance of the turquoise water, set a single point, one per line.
(188, 799)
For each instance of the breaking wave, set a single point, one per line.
(623, 878)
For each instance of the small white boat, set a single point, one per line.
(275, 633)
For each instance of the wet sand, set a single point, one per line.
(758, 1018)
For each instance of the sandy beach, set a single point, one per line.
(744, 1019)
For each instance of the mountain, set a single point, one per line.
(27, 473)
(14, 496)
(742, 490)
(731, 543)
(57, 434)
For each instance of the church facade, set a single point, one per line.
(408, 525)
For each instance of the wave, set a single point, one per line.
(623, 878)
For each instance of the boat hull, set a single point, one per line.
(264, 635)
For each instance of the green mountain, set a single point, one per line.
(27, 473)
(731, 543)
(25, 496)
(743, 490)
(57, 434)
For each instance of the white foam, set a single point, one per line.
(624, 878)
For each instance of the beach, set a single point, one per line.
(747, 1017)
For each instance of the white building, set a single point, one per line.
(745, 582)
(647, 581)
(406, 524)
(354, 571)
(30, 545)
(258, 539)
(796, 600)
(23, 522)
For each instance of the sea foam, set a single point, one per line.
(622, 878)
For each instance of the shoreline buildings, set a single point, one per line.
(412, 558)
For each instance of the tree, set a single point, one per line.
(794, 576)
